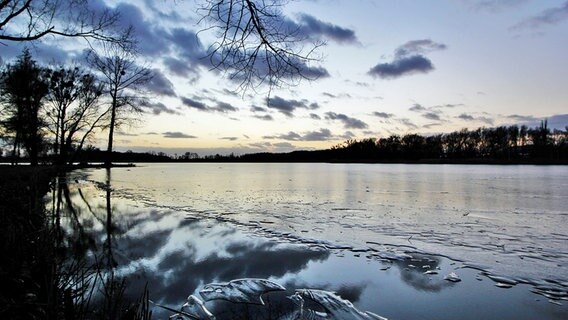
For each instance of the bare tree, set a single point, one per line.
(73, 109)
(27, 20)
(255, 45)
(124, 80)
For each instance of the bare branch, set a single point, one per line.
(255, 45)
(29, 20)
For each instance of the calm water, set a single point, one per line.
(335, 226)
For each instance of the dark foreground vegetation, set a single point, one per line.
(47, 270)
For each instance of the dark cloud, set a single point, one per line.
(292, 136)
(315, 28)
(518, 117)
(432, 116)
(549, 16)
(416, 47)
(229, 138)
(313, 72)
(190, 54)
(194, 104)
(558, 121)
(126, 134)
(408, 59)
(383, 115)
(265, 117)
(348, 122)
(159, 84)
(466, 117)
(487, 120)
(220, 106)
(151, 39)
(448, 105)
(288, 107)
(315, 116)
(157, 108)
(321, 135)
(179, 67)
(224, 107)
(177, 135)
(408, 123)
(336, 96)
(495, 5)
(348, 135)
(417, 108)
(401, 67)
(257, 109)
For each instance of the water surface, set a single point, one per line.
(367, 231)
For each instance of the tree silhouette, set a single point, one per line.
(123, 79)
(23, 87)
(73, 108)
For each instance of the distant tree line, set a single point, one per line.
(504, 143)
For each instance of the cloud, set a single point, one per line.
(448, 105)
(406, 122)
(315, 28)
(229, 138)
(321, 135)
(401, 67)
(223, 107)
(547, 17)
(194, 104)
(383, 115)
(408, 59)
(348, 122)
(466, 117)
(315, 116)
(177, 135)
(257, 109)
(418, 47)
(417, 108)
(518, 117)
(189, 54)
(220, 106)
(432, 116)
(265, 117)
(159, 84)
(336, 96)
(495, 6)
(288, 107)
(151, 40)
(157, 108)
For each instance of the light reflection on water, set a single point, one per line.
(440, 208)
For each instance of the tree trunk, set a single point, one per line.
(108, 161)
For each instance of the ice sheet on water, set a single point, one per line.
(195, 307)
(334, 306)
(240, 290)
(453, 277)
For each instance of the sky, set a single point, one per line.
(388, 67)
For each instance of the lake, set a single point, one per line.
(368, 232)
